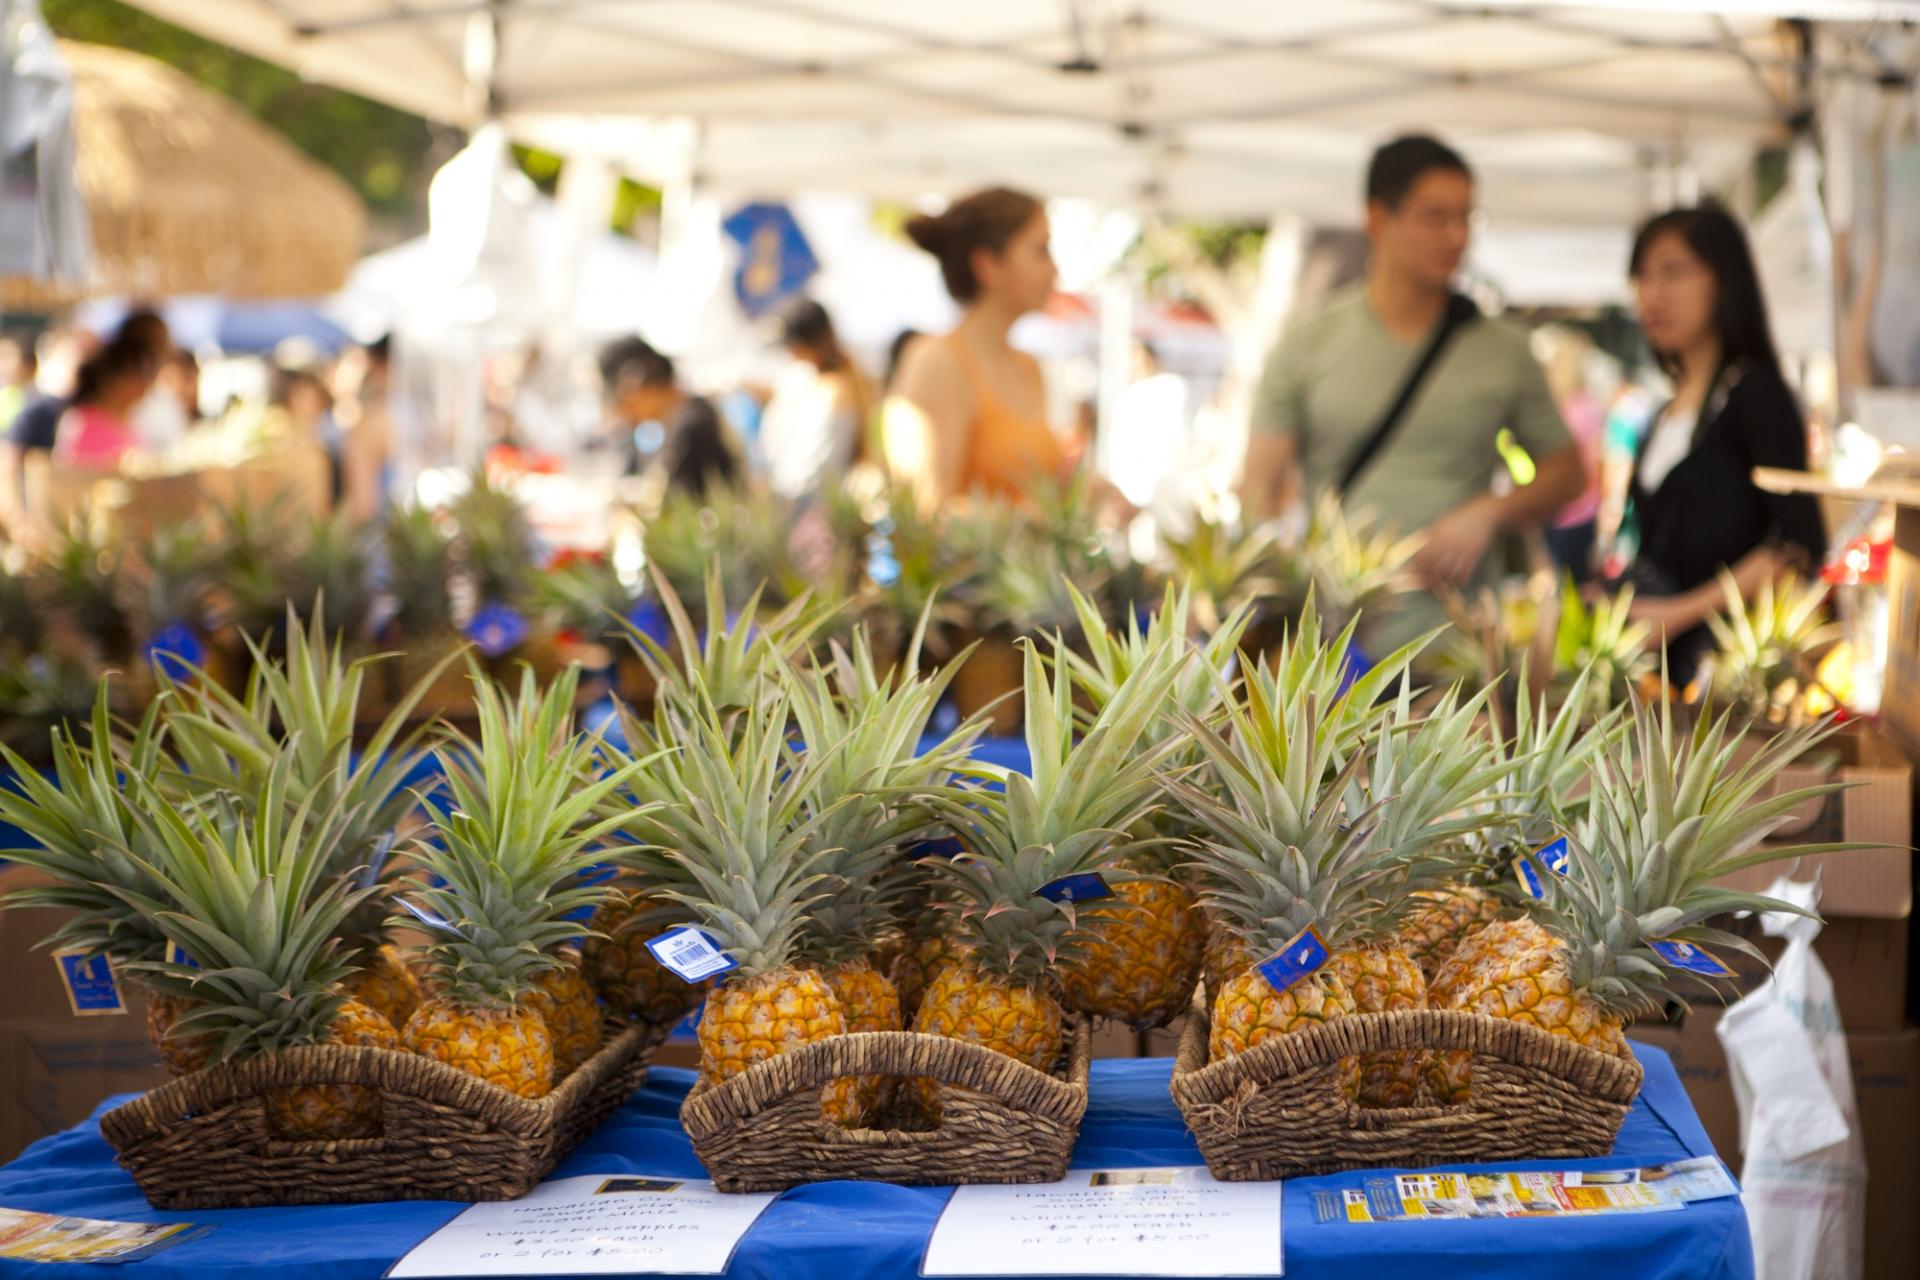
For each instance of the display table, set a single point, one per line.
(840, 1231)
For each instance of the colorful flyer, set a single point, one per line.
(47, 1237)
(594, 1225)
(1110, 1222)
(1432, 1197)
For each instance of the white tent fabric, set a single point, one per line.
(43, 220)
(1224, 107)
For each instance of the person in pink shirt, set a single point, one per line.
(96, 432)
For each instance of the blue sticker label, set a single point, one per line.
(651, 621)
(496, 630)
(1305, 953)
(1684, 955)
(92, 989)
(1085, 887)
(944, 847)
(1553, 856)
(691, 954)
(175, 650)
(428, 918)
(1523, 871)
(175, 955)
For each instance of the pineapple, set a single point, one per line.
(733, 840)
(251, 570)
(498, 882)
(1600, 641)
(173, 569)
(1669, 814)
(247, 898)
(1143, 961)
(1353, 563)
(1072, 817)
(1765, 650)
(1225, 570)
(39, 694)
(82, 587)
(1024, 592)
(624, 973)
(78, 825)
(865, 796)
(731, 662)
(331, 563)
(418, 558)
(307, 707)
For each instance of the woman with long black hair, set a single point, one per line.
(1693, 501)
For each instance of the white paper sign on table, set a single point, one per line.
(1114, 1222)
(597, 1225)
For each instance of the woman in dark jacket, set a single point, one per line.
(1692, 494)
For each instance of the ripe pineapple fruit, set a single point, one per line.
(731, 657)
(866, 799)
(1225, 570)
(85, 838)
(1601, 643)
(732, 839)
(1766, 649)
(1141, 965)
(419, 562)
(514, 835)
(1668, 815)
(246, 895)
(1353, 563)
(624, 973)
(1070, 818)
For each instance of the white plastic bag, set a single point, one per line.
(1804, 1178)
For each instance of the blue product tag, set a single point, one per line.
(92, 989)
(496, 630)
(944, 847)
(1684, 955)
(690, 955)
(177, 956)
(651, 621)
(428, 918)
(1304, 953)
(1354, 664)
(370, 875)
(1529, 878)
(1085, 887)
(175, 650)
(1553, 856)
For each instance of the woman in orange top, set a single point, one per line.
(969, 413)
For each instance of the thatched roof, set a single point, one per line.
(187, 193)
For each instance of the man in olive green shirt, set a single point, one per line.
(1334, 374)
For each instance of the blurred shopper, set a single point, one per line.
(96, 431)
(968, 412)
(1394, 394)
(18, 365)
(1567, 355)
(1693, 506)
(363, 420)
(653, 419)
(815, 427)
(35, 427)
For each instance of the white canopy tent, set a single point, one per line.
(1573, 113)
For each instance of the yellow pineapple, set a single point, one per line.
(1670, 814)
(728, 834)
(1004, 890)
(927, 952)
(181, 1055)
(316, 1112)
(386, 984)
(1145, 955)
(570, 1007)
(500, 879)
(624, 973)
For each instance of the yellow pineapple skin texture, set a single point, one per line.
(1515, 969)
(505, 1047)
(1433, 931)
(386, 984)
(1227, 957)
(180, 1055)
(751, 1019)
(1144, 958)
(571, 1011)
(920, 963)
(964, 1002)
(333, 1112)
(625, 974)
(868, 1002)
(1248, 1012)
(1384, 980)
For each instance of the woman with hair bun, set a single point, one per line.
(968, 413)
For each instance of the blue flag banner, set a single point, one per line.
(1304, 953)
(775, 259)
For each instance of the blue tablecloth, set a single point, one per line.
(842, 1230)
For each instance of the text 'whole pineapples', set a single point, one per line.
(503, 867)
(1669, 812)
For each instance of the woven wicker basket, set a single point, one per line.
(1277, 1111)
(201, 1142)
(763, 1131)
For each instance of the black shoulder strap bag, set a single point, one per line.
(1460, 312)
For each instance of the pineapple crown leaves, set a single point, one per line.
(514, 836)
(245, 895)
(1600, 634)
(308, 706)
(733, 838)
(1353, 562)
(1550, 755)
(734, 658)
(1114, 654)
(81, 832)
(1075, 813)
(1441, 772)
(419, 563)
(1762, 646)
(1224, 570)
(174, 571)
(1670, 814)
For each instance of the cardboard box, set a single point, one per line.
(1876, 810)
(1115, 1040)
(1868, 960)
(56, 1068)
